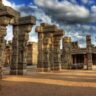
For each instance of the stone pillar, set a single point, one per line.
(14, 55)
(85, 61)
(22, 26)
(89, 52)
(66, 53)
(22, 45)
(46, 58)
(49, 47)
(6, 14)
(40, 52)
(43, 49)
(2, 47)
(51, 52)
(75, 59)
(0, 2)
(57, 52)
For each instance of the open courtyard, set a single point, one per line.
(64, 83)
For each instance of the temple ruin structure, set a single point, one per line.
(47, 54)
(21, 27)
(73, 56)
(49, 57)
(31, 51)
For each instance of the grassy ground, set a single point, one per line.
(65, 83)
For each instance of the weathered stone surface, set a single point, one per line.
(79, 57)
(32, 53)
(22, 26)
(66, 53)
(7, 54)
(49, 47)
(89, 52)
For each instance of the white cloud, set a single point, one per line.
(9, 35)
(7, 3)
(62, 9)
(85, 1)
(93, 8)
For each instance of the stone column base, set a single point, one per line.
(89, 68)
(39, 69)
(13, 72)
(46, 69)
(56, 68)
(18, 72)
(22, 72)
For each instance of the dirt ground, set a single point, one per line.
(65, 83)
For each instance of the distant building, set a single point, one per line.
(73, 56)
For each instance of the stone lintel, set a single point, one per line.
(6, 15)
(39, 29)
(59, 32)
(28, 20)
(8, 12)
(67, 39)
(49, 29)
(46, 25)
(31, 43)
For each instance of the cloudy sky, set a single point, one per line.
(76, 17)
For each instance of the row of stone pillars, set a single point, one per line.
(49, 57)
(21, 27)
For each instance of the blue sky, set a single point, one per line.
(76, 17)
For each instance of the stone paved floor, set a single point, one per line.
(65, 83)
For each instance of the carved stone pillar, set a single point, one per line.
(89, 52)
(66, 53)
(85, 61)
(43, 49)
(2, 47)
(46, 50)
(14, 55)
(49, 47)
(57, 52)
(22, 45)
(22, 26)
(40, 52)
